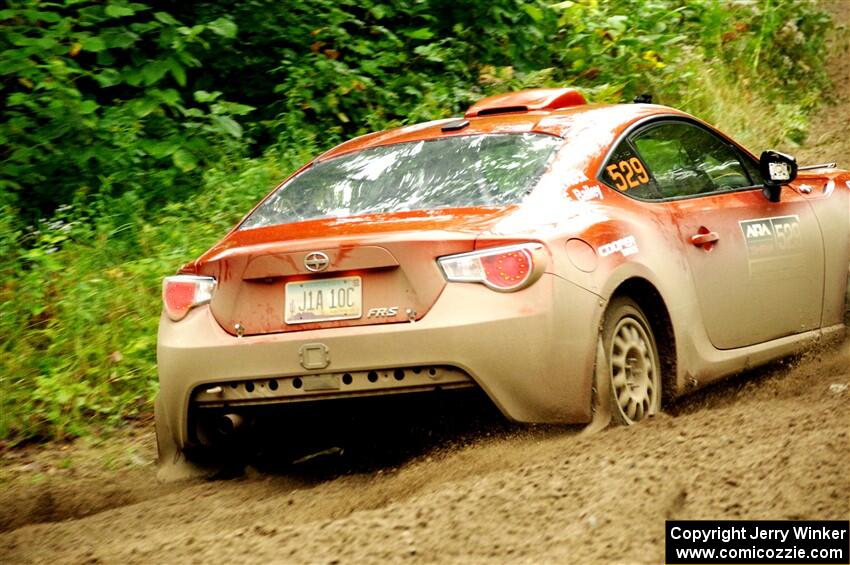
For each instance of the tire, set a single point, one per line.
(632, 361)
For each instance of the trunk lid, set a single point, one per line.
(380, 269)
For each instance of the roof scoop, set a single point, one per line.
(526, 101)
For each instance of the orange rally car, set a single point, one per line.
(566, 258)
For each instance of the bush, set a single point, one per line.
(96, 101)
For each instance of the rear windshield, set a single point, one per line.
(474, 170)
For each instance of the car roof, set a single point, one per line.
(517, 112)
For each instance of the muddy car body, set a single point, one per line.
(634, 239)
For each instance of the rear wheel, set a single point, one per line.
(631, 356)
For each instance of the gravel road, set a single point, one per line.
(771, 444)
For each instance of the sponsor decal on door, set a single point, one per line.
(773, 236)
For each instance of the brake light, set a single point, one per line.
(181, 293)
(507, 268)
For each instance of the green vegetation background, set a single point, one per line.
(134, 134)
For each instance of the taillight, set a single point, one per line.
(501, 268)
(181, 293)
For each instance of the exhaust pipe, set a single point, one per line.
(229, 425)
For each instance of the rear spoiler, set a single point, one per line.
(526, 101)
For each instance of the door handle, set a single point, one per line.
(705, 238)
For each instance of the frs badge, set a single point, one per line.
(388, 312)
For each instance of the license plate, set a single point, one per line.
(323, 300)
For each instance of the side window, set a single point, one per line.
(626, 172)
(686, 160)
(753, 170)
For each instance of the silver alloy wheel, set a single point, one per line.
(634, 371)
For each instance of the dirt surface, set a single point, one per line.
(770, 444)
(773, 443)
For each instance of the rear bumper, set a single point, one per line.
(531, 351)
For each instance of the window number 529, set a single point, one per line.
(627, 173)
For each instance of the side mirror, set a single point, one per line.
(776, 169)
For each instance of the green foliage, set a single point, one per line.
(98, 100)
(79, 305)
(134, 134)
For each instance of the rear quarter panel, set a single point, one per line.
(598, 239)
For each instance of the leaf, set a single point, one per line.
(158, 149)
(203, 96)
(617, 24)
(63, 395)
(40, 16)
(114, 11)
(169, 96)
(184, 160)
(177, 72)
(108, 77)
(93, 44)
(45, 43)
(88, 107)
(120, 39)
(380, 11)
(144, 106)
(165, 18)
(430, 52)
(239, 109)
(534, 12)
(153, 72)
(223, 27)
(421, 33)
(228, 125)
